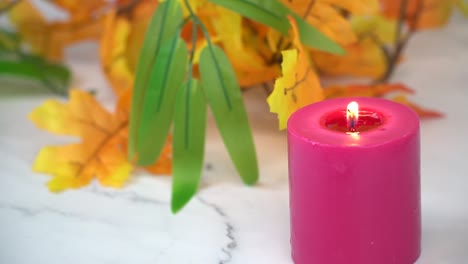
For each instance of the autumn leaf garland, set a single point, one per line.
(197, 54)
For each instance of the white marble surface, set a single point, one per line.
(227, 222)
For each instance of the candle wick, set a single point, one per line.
(352, 122)
(352, 127)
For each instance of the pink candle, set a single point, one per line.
(354, 183)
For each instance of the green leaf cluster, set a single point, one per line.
(166, 93)
(15, 63)
(275, 14)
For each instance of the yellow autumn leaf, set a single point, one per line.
(139, 18)
(231, 31)
(228, 28)
(113, 47)
(299, 84)
(380, 27)
(101, 152)
(49, 39)
(121, 41)
(362, 59)
(31, 25)
(328, 16)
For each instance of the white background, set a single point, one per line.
(227, 222)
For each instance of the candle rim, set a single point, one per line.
(362, 115)
(390, 131)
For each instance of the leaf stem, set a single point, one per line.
(197, 21)
(194, 41)
(210, 45)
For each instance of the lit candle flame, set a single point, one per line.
(352, 115)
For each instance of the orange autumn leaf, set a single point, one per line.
(376, 26)
(139, 18)
(112, 52)
(328, 17)
(49, 39)
(362, 59)
(366, 57)
(355, 90)
(299, 84)
(31, 25)
(422, 14)
(422, 112)
(62, 34)
(356, 7)
(101, 151)
(121, 42)
(80, 9)
(379, 90)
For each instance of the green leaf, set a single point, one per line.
(274, 14)
(164, 26)
(9, 40)
(268, 12)
(312, 37)
(188, 143)
(225, 99)
(167, 75)
(54, 76)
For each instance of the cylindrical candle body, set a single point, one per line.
(355, 199)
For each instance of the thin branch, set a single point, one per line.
(292, 88)
(309, 9)
(267, 87)
(401, 41)
(125, 9)
(197, 21)
(401, 20)
(277, 56)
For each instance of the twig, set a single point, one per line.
(303, 79)
(266, 87)
(401, 41)
(277, 56)
(309, 9)
(128, 7)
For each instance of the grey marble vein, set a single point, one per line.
(130, 196)
(33, 212)
(232, 245)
